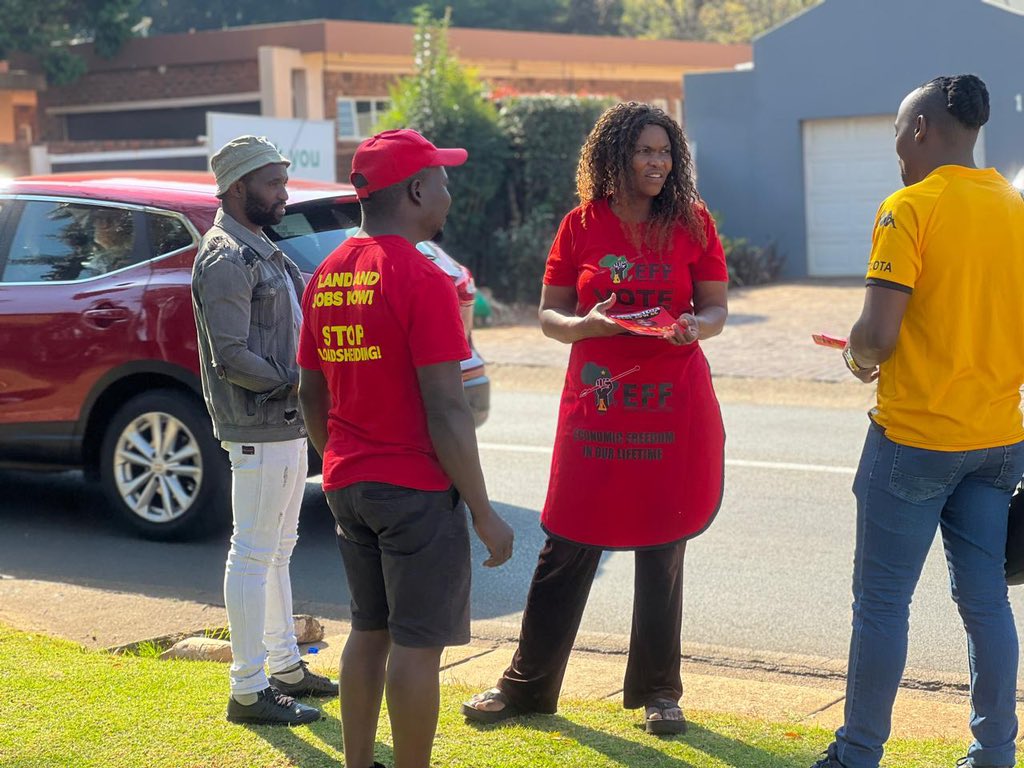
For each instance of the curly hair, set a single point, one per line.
(605, 168)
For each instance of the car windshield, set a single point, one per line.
(310, 231)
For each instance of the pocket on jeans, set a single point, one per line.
(919, 475)
(1013, 467)
(242, 456)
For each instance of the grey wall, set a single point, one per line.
(843, 58)
(718, 127)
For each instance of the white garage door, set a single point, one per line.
(850, 166)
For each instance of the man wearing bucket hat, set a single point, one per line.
(245, 297)
(381, 389)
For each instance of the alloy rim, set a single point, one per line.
(158, 468)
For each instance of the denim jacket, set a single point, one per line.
(245, 295)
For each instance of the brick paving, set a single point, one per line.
(768, 334)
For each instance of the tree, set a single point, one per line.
(593, 17)
(448, 105)
(723, 21)
(43, 28)
(537, 15)
(170, 16)
(182, 15)
(675, 19)
(736, 21)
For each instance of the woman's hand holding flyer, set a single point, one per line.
(655, 321)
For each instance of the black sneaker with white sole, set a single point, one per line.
(272, 708)
(311, 684)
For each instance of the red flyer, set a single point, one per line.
(824, 340)
(647, 322)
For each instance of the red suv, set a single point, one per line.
(98, 359)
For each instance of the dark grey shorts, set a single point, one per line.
(406, 555)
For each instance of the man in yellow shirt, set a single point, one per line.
(942, 331)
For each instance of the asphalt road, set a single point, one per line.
(771, 576)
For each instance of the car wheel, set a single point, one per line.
(162, 468)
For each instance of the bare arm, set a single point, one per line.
(315, 400)
(559, 321)
(453, 435)
(874, 335)
(710, 310)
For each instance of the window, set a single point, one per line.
(167, 234)
(159, 123)
(312, 230)
(58, 241)
(357, 117)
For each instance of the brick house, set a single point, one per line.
(146, 108)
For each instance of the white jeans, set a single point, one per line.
(267, 482)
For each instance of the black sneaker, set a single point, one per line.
(968, 762)
(829, 760)
(272, 708)
(311, 684)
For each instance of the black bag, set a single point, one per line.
(1015, 540)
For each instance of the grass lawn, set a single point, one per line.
(64, 706)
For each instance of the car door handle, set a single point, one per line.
(106, 315)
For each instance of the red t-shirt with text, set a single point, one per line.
(376, 310)
(639, 450)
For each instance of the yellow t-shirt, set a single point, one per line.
(955, 242)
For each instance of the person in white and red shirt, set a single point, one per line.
(381, 390)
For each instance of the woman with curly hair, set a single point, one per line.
(638, 456)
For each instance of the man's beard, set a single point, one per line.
(437, 238)
(259, 215)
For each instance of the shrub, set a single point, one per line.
(520, 252)
(545, 134)
(751, 264)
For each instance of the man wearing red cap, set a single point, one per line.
(381, 391)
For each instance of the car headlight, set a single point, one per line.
(1018, 180)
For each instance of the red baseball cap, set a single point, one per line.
(391, 156)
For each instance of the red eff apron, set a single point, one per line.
(638, 456)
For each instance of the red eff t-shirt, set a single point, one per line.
(375, 311)
(639, 450)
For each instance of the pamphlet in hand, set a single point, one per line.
(655, 321)
(824, 340)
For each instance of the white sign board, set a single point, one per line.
(309, 144)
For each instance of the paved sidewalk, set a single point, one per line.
(768, 334)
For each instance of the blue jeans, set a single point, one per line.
(903, 495)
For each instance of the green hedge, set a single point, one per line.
(545, 134)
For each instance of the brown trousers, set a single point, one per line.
(554, 606)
